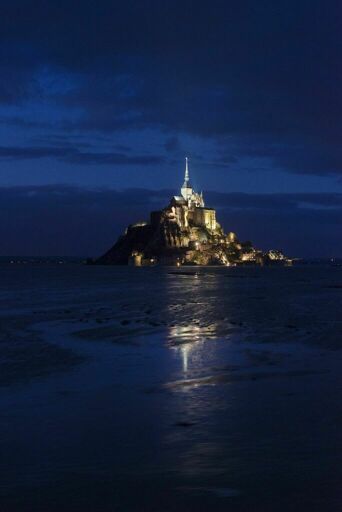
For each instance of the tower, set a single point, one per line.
(186, 189)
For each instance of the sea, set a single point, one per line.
(170, 389)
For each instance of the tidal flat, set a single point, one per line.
(162, 390)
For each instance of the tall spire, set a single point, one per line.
(186, 178)
(186, 189)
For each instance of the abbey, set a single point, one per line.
(188, 212)
(189, 209)
(186, 231)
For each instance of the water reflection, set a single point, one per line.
(197, 349)
(198, 338)
(185, 356)
(188, 341)
(196, 305)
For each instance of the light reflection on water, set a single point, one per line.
(188, 341)
(188, 338)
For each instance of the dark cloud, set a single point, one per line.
(65, 220)
(218, 70)
(275, 202)
(172, 144)
(73, 155)
(293, 156)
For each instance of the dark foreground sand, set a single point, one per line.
(151, 389)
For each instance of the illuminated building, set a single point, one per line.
(185, 232)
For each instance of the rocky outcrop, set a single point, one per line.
(134, 240)
(152, 241)
(166, 242)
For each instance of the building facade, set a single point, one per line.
(189, 208)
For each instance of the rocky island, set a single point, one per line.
(186, 232)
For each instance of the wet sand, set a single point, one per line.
(158, 390)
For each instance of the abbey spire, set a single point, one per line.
(187, 192)
(186, 189)
(186, 177)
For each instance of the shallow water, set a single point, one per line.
(157, 389)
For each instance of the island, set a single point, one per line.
(186, 232)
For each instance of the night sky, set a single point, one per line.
(100, 102)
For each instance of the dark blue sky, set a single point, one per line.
(104, 96)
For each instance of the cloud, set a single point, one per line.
(221, 72)
(172, 144)
(67, 220)
(275, 202)
(73, 155)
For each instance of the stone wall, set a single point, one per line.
(205, 217)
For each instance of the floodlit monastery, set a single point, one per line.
(186, 232)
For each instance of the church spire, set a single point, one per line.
(186, 178)
(186, 189)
